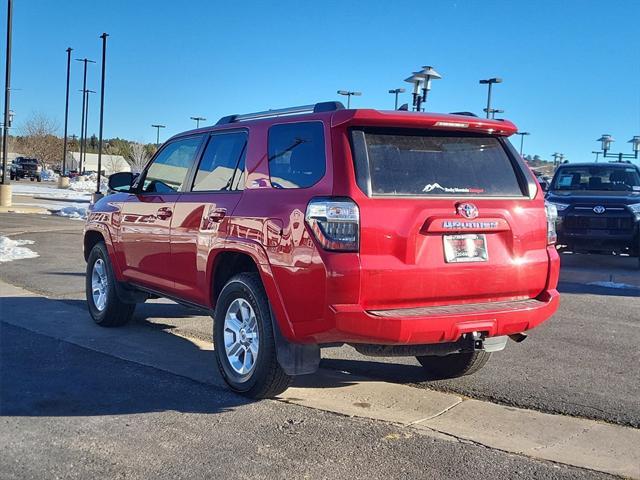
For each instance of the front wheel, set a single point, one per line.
(105, 307)
(244, 341)
(453, 365)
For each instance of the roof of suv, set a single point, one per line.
(599, 164)
(371, 117)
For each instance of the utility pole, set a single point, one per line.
(104, 58)
(522, 134)
(66, 114)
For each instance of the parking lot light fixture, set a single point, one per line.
(198, 120)
(349, 94)
(82, 120)
(606, 140)
(5, 197)
(66, 115)
(429, 74)
(489, 82)
(522, 135)
(396, 92)
(416, 80)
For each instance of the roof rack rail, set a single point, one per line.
(314, 108)
(466, 114)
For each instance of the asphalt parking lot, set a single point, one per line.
(581, 363)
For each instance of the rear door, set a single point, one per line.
(203, 214)
(447, 219)
(147, 214)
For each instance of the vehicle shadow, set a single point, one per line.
(55, 362)
(575, 287)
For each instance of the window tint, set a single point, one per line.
(222, 164)
(597, 177)
(296, 154)
(169, 169)
(432, 164)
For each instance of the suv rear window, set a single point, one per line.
(432, 164)
(296, 154)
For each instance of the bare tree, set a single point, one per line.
(138, 157)
(39, 139)
(113, 164)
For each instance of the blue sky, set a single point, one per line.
(571, 68)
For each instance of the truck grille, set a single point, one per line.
(598, 223)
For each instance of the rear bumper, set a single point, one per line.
(440, 324)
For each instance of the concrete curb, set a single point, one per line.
(573, 441)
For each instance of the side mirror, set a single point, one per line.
(121, 181)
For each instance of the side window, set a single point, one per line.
(169, 169)
(222, 164)
(296, 154)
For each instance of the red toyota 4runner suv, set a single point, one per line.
(399, 233)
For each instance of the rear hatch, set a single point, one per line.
(447, 217)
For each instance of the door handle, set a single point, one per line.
(217, 215)
(164, 213)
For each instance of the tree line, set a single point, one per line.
(39, 138)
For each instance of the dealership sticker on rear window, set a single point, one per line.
(433, 186)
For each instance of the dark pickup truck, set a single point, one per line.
(23, 167)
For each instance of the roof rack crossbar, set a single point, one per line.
(280, 112)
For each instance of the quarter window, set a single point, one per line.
(169, 169)
(296, 154)
(222, 164)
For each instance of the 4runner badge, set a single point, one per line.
(467, 210)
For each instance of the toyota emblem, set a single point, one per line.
(467, 210)
(599, 209)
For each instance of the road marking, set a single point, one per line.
(573, 441)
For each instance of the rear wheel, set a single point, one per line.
(105, 307)
(453, 365)
(243, 337)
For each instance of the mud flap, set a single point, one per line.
(295, 358)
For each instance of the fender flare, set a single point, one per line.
(294, 358)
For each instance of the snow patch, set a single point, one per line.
(88, 184)
(13, 249)
(49, 175)
(73, 211)
(50, 192)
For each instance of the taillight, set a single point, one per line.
(552, 216)
(335, 222)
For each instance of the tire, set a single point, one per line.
(12, 176)
(39, 179)
(262, 377)
(113, 312)
(32, 178)
(453, 365)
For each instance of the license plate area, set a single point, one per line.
(471, 247)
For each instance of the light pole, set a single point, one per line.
(349, 94)
(158, 127)
(490, 82)
(198, 120)
(66, 114)
(104, 59)
(397, 91)
(606, 141)
(422, 85)
(522, 134)
(83, 139)
(5, 189)
(84, 88)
